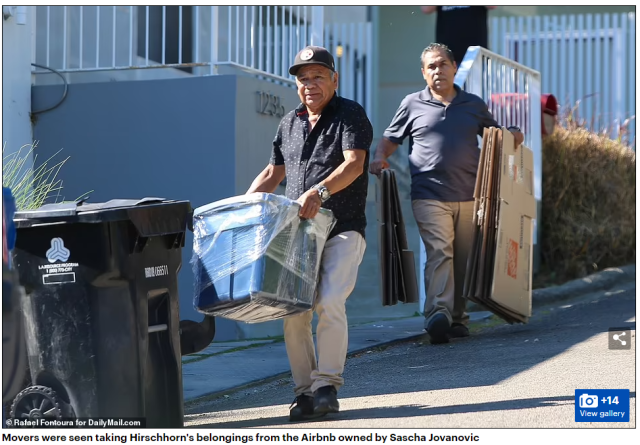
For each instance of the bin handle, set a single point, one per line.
(196, 336)
(158, 328)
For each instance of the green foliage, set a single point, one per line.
(32, 187)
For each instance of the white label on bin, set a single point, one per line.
(59, 278)
(58, 273)
(156, 271)
(58, 252)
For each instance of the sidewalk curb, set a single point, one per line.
(596, 282)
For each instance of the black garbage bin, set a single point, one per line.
(13, 345)
(101, 310)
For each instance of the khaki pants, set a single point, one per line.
(341, 258)
(446, 229)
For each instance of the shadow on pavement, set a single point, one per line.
(405, 411)
(487, 358)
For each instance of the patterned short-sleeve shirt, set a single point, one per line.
(310, 156)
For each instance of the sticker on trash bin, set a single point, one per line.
(58, 273)
(156, 271)
(58, 252)
(59, 278)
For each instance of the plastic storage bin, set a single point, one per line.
(254, 259)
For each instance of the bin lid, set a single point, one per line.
(172, 215)
(237, 203)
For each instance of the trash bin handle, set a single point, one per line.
(158, 328)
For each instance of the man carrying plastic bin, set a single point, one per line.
(322, 148)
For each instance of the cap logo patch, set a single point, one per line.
(306, 54)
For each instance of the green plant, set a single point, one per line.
(31, 187)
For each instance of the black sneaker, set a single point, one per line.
(438, 329)
(458, 330)
(325, 400)
(302, 409)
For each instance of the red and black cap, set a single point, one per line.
(312, 55)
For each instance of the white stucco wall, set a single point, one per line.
(16, 82)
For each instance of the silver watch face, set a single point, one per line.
(323, 192)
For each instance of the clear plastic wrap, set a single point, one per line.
(254, 259)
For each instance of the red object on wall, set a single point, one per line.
(549, 113)
(504, 107)
(549, 104)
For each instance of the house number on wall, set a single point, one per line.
(270, 104)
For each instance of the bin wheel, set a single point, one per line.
(36, 402)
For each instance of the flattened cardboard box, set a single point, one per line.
(397, 266)
(512, 274)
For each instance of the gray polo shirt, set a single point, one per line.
(443, 143)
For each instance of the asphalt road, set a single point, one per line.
(506, 376)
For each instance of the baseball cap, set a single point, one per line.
(312, 55)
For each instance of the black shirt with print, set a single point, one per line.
(310, 156)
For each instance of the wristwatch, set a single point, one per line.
(515, 128)
(323, 192)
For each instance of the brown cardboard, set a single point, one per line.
(516, 180)
(477, 260)
(512, 272)
(485, 208)
(474, 255)
(499, 266)
(494, 212)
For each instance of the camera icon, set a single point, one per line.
(587, 401)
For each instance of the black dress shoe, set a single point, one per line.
(325, 400)
(302, 409)
(458, 330)
(438, 329)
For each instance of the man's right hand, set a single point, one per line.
(377, 165)
(310, 203)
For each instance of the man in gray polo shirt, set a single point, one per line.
(442, 123)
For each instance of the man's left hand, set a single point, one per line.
(518, 136)
(311, 203)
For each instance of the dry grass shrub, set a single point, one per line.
(588, 202)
